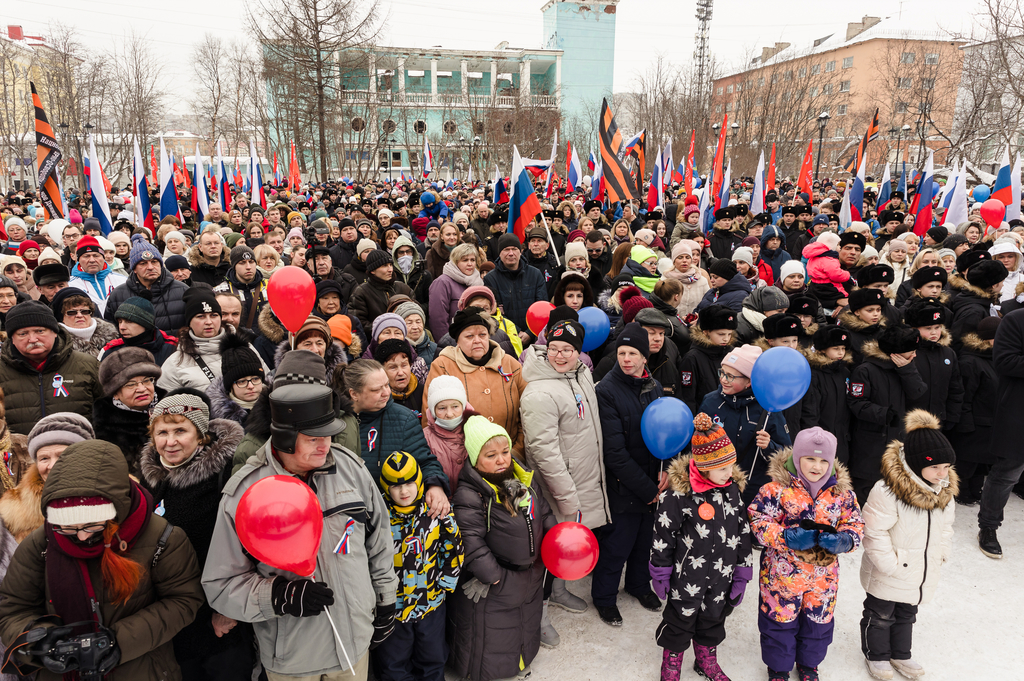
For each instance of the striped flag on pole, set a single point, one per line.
(48, 157)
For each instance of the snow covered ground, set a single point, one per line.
(970, 630)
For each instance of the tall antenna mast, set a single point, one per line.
(701, 51)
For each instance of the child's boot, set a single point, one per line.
(565, 599)
(706, 663)
(549, 638)
(807, 673)
(879, 669)
(777, 676)
(671, 665)
(908, 668)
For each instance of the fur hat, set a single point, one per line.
(742, 359)
(632, 301)
(390, 347)
(117, 368)
(986, 273)
(875, 274)
(782, 326)
(803, 305)
(898, 339)
(715, 317)
(864, 297)
(711, 447)
(924, 444)
(829, 336)
(927, 275)
(61, 428)
(987, 328)
(925, 313)
(50, 274)
(853, 238)
(964, 261)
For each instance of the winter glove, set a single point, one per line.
(837, 543)
(300, 598)
(799, 539)
(892, 417)
(659, 580)
(475, 589)
(383, 624)
(740, 577)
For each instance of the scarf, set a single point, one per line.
(752, 277)
(699, 483)
(242, 403)
(455, 273)
(413, 384)
(686, 278)
(483, 360)
(67, 561)
(755, 318)
(121, 405)
(85, 334)
(96, 281)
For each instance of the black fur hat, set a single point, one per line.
(925, 313)
(782, 325)
(829, 336)
(898, 339)
(927, 275)
(716, 317)
(875, 274)
(803, 305)
(986, 273)
(863, 297)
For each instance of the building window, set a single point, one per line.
(450, 128)
(927, 83)
(729, 89)
(904, 83)
(931, 59)
(760, 82)
(358, 156)
(802, 73)
(509, 127)
(907, 58)
(814, 92)
(901, 107)
(840, 132)
(830, 67)
(775, 78)
(842, 110)
(789, 75)
(826, 89)
(739, 87)
(847, 62)
(816, 69)
(844, 86)
(419, 127)
(721, 91)
(396, 158)
(358, 124)
(926, 107)
(478, 127)
(728, 107)
(388, 126)
(718, 108)
(413, 159)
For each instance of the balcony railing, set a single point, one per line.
(443, 99)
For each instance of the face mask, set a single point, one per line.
(405, 263)
(448, 424)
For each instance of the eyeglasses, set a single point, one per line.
(595, 250)
(84, 312)
(68, 531)
(252, 380)
(552, 352)
(147, 381)
(727, 377)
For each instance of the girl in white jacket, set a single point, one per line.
(908, 535)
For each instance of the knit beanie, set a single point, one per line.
(830, 239)
(406, 309)
(742, 359)
(341, 328)
(634, 336)
(142, 250)
(445, 387)
(300, 367)
(818, 443)
(898, 245)
(238, 360)
(508, 240)
(924, 444)
(711, 447)
(743, 254)
(401, 468)
(377, 259)
(7, 282)
(199, 300)
(573, 235)
(176, 262)
(465, 318)
(478, 431)
(575, 250)
(726, 269)
(176, 236)
(869, 252)
(391, 347)
(313, 324)
(364, 244)
(476, 292)
(388, 320)
(138, 310)
(187, 402)
(641, 254)
(295, 231)
(61, 428)
(560, 314)
(325, 286)
(791, 267)
(241, 252)
(632, 301)
(28, 314)
(987, 328)
(117, 368)
(569, 332)
(80, 511)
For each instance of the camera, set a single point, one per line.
(92, 655)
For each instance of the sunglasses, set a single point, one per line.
(84, 312)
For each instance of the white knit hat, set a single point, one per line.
(364, 245)
(791, 267)
(80, 511)
(830, 239)
(745, 254)
(445, 388)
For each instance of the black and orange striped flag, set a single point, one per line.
(48, 156)
(618, 182)
(639, 150)
(854, 163)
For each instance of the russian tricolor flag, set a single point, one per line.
(597, 183)
(857, 192)
(923, 200)
(258, 196)
(428, 158)
(100, 201)
(1003, 189)
(168, 192)
(884, 187)
(590, 162)
(200, 192)
(574, 173)
(140, 189)
(500, 190)
(523, 203)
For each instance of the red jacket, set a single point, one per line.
(764, 272)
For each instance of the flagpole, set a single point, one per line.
(550, 240)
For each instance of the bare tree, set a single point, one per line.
(135, 104)
(210, 65)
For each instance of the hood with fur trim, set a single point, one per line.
(818, 360)
(273, 330)
(679, 475)
(195, 256)
(870, 350)
(972, 341)
(211, 461)
(850, 321)
(911, 489)
(965, 286)
(699, 337)
(221, 404)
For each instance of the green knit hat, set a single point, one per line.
(478, 431)
(641, 254)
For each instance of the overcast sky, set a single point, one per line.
(644, 28)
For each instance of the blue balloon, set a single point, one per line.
(936, 188)
(595, 323)
(780, 378)
(981, 193)
(667, 426)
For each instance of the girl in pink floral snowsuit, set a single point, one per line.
(805, 517)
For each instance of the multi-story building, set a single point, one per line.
(471, 105)
(828, 89)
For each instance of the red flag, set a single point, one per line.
(688, 175)
(805, 181)
(186, 176)
(769, 180)
(72, 167)
(152, 161)
(294, 177)
(717, 169)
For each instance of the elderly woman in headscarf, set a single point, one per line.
(391, 325)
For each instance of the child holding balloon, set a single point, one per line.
(701, 557)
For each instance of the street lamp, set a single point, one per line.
(735, 127)
(391, 143)
(472, 153)
(822, 122)
(904, 129)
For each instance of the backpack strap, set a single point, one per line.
(161, 544)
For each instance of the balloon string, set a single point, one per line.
(764, 424)
(337, 636)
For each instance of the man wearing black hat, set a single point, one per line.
(354, 581)
(40, 372)
(723, 240)
(49, 279)
(851, 245)
(150, 280)
(245, 281)
(344, 249)
(516, 285)
(790, 227)
(396, 356)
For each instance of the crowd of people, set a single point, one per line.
(147, 384)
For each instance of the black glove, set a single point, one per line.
(893, 417)
(300, 598)
(383, 624)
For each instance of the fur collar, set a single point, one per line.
(973, 342)
(699, 337)
(210, 462)
(944, 340)
(911, 489)
(779, 473)
(195, 256)
(818, 360)
(1019, 289)
(966, 287)
(762, 343)
(871, 350)
(221, 404)
(956, 282)
(943, 296)
(271, 329)
(850, 321)
(679, 475)
(20, 507)
(811, 329)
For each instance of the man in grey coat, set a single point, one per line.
(354, 581)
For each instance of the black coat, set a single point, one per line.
(825, 403)
(792, 232)
(972, 436)
(166, 294)
(860, 332)
(663, 365)
(632, 469)
(970, 305)
(342, 254)
(516, 290)
(939, 369)
(724, 243)
(547, 266)
(161, 345)
(129, 430)
(699, 368)
(879, 393)
(731, 294)
(253, 296)
(680, 332)
(1008, 361)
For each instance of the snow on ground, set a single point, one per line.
(970, 630)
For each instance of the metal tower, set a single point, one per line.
(701, 51)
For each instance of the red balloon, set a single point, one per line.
(992, 212)
(537, 316)
(291, 293)
(569, 551)
(280, 522)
